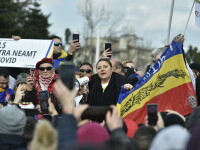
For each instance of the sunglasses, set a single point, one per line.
(85, 70)
(3, 82)
(43, 68)
(57, 44)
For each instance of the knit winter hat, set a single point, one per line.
(92, 133)
(44, 60)
(12, 120)
(171, 138)
(22, 78)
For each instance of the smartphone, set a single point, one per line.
(96, 113)
(67, 74)
(152, 110)
(44, 96)
(108, 45)
(75, 37)
(56, 103)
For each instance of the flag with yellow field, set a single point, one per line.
(167, 83)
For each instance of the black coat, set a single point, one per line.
(12, 142)
(96, 95)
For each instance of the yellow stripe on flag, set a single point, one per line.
(173, 73)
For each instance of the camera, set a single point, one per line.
(129, 71)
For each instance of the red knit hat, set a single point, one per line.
(44, 60)
(92, 133)
(131, 127)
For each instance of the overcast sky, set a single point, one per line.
(148, 18)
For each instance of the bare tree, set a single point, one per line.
(93, 15)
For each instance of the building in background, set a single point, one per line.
(125, 47)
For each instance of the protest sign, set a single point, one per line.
(24, 53)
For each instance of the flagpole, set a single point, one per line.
(189, 17)
(170, 21)
(97, 47)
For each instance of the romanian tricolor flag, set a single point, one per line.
(167, 83)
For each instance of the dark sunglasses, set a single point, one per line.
(43, 68)
(85, 70)
(57, 44)
(3, 82)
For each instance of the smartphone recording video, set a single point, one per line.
(152, 110)
(43, 97)
(67, 74)
(96, 113)
(75, 37)
(108, 46)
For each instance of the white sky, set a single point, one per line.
(148, 18)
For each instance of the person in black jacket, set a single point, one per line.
(105, 86)
(196, 70)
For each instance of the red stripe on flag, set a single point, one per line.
(176, 99)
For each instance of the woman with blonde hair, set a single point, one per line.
(45, 137)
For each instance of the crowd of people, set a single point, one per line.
(39, 112)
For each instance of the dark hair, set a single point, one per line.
(29, 129)
(86, 63)
(118, 144)
(4, 73)
(106, 60)
(55, 37)
(144, 136)
(173, 119)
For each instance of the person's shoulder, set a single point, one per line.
(121, 78)
(117, 75)
(94, 77)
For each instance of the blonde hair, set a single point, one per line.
(45, 137)
(80, 74)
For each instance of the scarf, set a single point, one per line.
(44, 82)
(5, 95)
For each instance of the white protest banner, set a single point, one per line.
(197, 13)
(24, 53)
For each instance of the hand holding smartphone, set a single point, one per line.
(67, 74)
(75, 37)
(108, 48)
(44, 96)
(152, 110)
